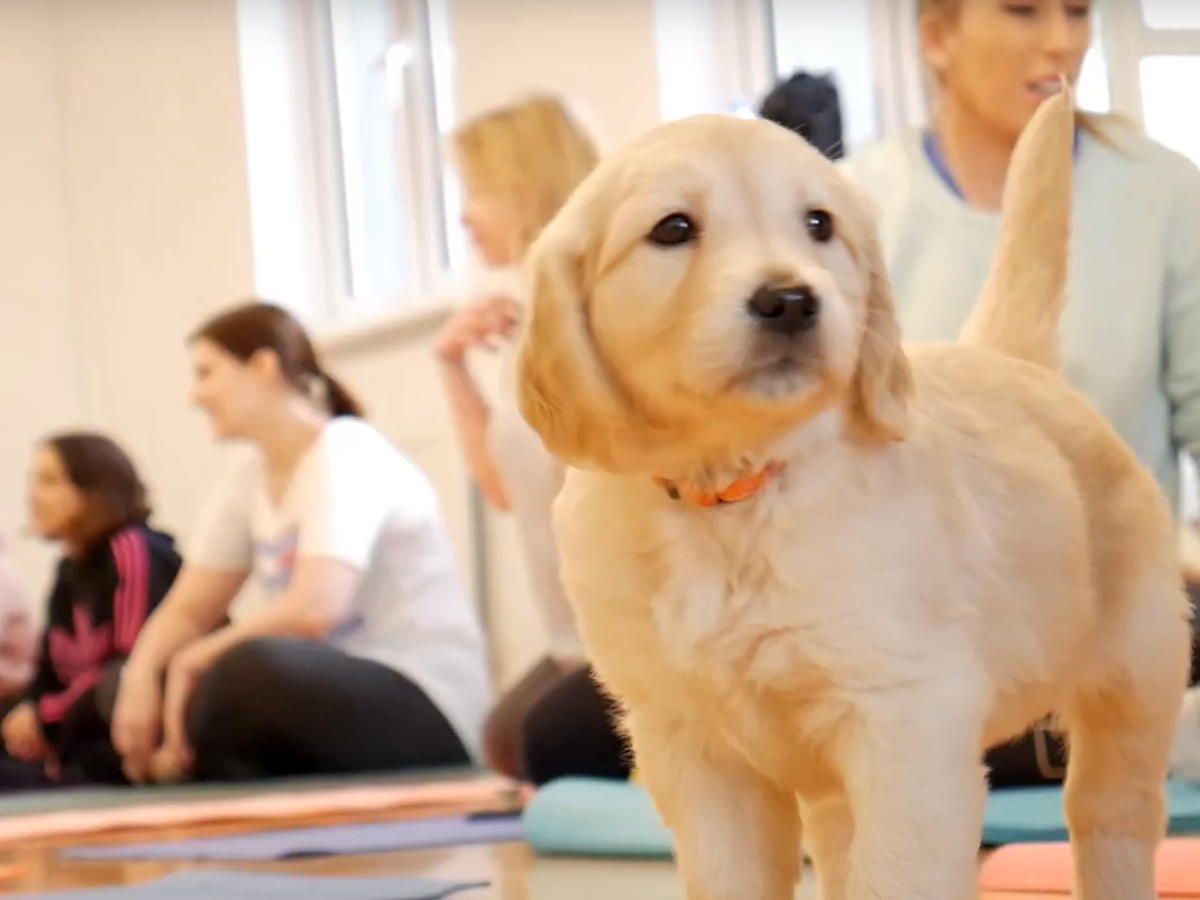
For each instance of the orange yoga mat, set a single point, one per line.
(477, 793)
(1046, 868)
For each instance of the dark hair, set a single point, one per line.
(257, 325)
(114, 495)
(808, 104)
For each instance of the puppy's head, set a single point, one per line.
(711, 286)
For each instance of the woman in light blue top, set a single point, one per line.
(1131, 335)
(1132, 332)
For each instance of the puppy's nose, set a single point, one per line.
(786, 310)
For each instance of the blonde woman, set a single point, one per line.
(517, 165)
(1131, 337)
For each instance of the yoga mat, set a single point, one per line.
(1046, 868)
(36, 802)
(594, 817)
(358, 839)
(480, 793)
(1035, 815)
(210, 884)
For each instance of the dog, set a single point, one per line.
(820, 571)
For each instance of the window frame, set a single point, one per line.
(419, 110)
(1127, 41)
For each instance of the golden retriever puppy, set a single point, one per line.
(820, 571)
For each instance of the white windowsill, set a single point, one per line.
(391, 327)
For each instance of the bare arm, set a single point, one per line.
(472, 417)
(315, 602)
(477, 325)
(197, 604)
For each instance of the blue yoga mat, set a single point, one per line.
(210, 884)
(1034, 815)
(336, 840)
(589, 817)
(594, 817)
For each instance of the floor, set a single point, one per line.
(513, 872)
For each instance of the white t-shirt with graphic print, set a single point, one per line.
(355, 498)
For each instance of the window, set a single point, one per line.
(871, 48)
(1154, 65)
(1168, 85)
(1171, 15)
(344, 100)
(834, 39)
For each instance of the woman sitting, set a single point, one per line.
(518, 164)
(18, 640)
(358, 650)
(85, 493)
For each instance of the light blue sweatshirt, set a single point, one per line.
(1131, 334)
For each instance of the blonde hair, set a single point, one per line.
(538, 147)
(1092, 123)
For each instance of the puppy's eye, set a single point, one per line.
(819, 225)
(673, 231)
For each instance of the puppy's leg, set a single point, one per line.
(1121, 732)
(913, 770)
(737, 835)
(828, 834)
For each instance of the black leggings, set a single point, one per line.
(81, 744)
(283, 707)
(571, 730)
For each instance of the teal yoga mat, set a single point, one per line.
(589, 817)
(1034, 815)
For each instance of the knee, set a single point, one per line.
(542, 745)
(226, 692)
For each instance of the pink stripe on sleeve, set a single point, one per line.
(131, 602)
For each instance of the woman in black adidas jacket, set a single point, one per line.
(85, 493)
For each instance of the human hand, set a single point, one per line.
(168, 767)
(137, 721)
(184, 673)
(23, 735)
(477, 325)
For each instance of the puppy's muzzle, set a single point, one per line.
(788, 311)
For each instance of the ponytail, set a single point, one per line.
(338, 398)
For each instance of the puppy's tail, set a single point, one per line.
(1023, 299)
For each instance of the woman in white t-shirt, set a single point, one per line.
(518, 164)
(358, 649)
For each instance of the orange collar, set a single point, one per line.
(737, 490)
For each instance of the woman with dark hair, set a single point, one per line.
(359, 650)
(808, 104)
(85, 493)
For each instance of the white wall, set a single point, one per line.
(603, 54)
(159, 236)
(39, 384)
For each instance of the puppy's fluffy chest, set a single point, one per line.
(729, 615)
(758, 595)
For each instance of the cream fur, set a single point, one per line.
(958, 546)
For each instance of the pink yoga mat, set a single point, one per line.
(1046, 868)
(479, 793)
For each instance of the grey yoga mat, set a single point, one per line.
(355, 839)
(228, 885)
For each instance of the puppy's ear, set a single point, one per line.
(882, 382)
(563, 390)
